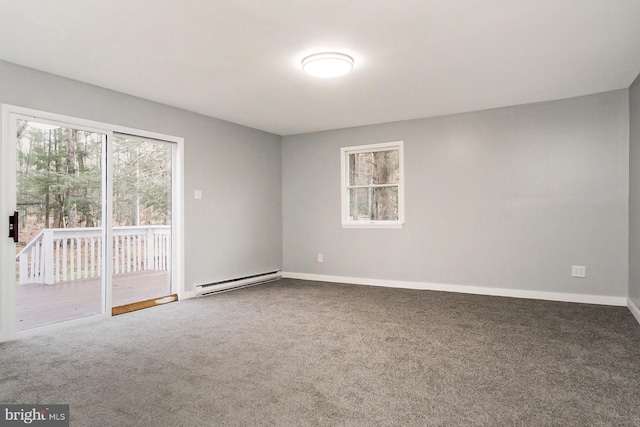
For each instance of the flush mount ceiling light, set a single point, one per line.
(327, 64)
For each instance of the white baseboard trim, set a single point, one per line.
(634, 309)
(478, 290)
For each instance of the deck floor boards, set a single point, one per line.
(39, 305)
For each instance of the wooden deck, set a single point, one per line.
(39, 305)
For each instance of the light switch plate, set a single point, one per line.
(197, 194)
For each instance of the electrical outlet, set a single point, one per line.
(320, 258)
(578, 271)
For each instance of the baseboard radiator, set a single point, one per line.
(240, 282)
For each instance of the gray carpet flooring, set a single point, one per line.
(300, 353)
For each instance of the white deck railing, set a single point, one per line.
(61, 254)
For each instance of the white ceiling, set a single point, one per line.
(239, 60)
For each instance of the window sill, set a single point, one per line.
(373, 225)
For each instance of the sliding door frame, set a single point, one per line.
(8, 199)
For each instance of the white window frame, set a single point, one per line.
(344, 164)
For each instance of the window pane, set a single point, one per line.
(59, 196)
(378, 167)
(373, 204)
(387, 167)
(141, 182)
(142, 212)
(361, 169)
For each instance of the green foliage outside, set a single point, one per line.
(59, 179)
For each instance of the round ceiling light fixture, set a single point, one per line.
(327, 64)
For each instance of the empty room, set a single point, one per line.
(320, 213)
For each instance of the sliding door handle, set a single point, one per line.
(13, 226)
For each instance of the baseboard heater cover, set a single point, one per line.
(240, 282)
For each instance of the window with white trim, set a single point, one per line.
(372, 185)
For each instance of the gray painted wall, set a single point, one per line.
(506, 198)
(503, 198)
(634, 193)
(235, 230)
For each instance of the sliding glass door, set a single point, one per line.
(58, 234)
(91, 220)
(142, 211)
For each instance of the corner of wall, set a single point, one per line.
(634, 310)
(633, 290)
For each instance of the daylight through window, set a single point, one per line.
(372, 193)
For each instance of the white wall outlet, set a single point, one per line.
(578, 271)
(320, 258)
(197, 194)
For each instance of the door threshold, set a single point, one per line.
(134, 306)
